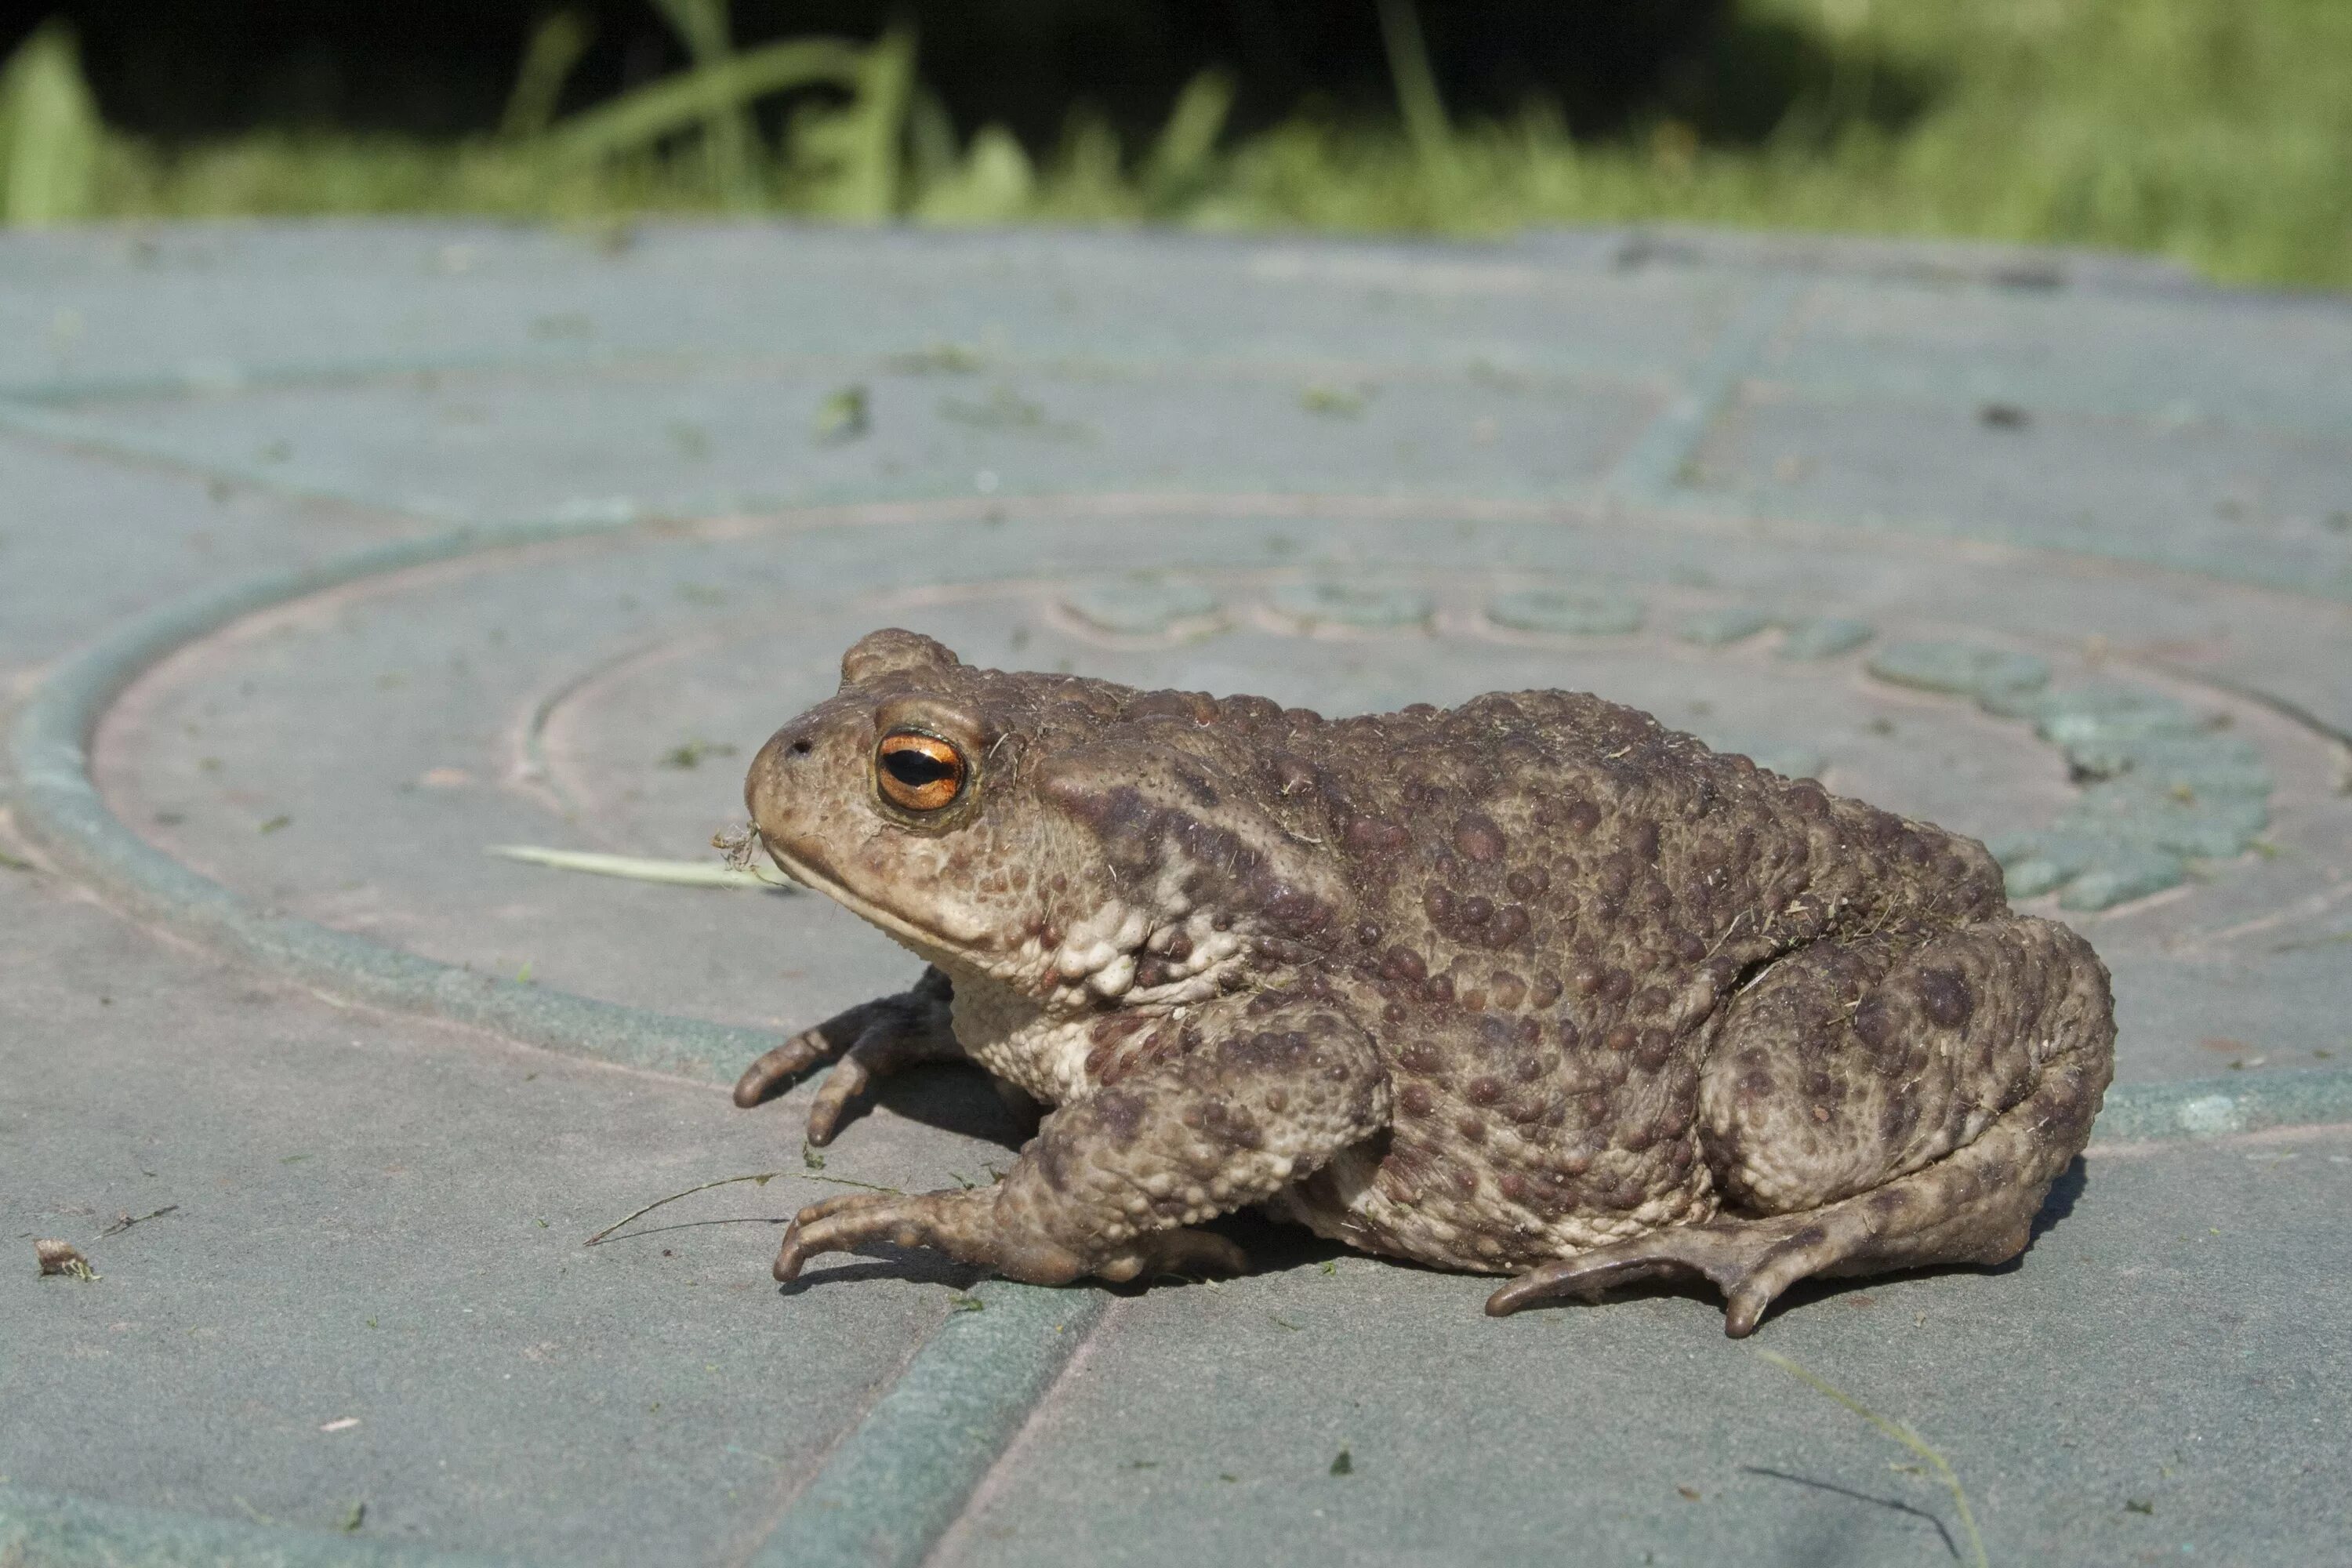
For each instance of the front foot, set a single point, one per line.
(966, 1226)
(871, 1041)
(1749, 1261)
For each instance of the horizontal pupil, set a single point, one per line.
(917, 769)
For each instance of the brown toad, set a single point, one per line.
(1535, 985)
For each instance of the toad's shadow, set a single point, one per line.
(952, 1098)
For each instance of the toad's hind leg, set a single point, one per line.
(1881, 1105)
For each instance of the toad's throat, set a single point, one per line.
(812, 872)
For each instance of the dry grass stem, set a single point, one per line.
(641, 869)
(1903, 1434)
(124, 1222)
(760, 1178)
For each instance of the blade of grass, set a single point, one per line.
(729, 136)
(858, 149)
(1178, 165)
(1903, 1434)
(555, 48)
(761, 1178)
(2210, 131)
(640, 868)
(1418, 100)
(931, 147)
(995, 183)
(50, 131)
(636, 120)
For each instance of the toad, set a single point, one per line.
(1532, 986)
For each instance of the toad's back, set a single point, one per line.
(1567, 832)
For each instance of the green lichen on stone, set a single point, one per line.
(1720, 629)
(2192, 765)
(2010, 702)
(2097, 864)
(1351, 604)
(2160, 788)
(2121, 841)
(1998, 680)
(2030, 877)
(2105, 714)
(1570, 614)
(1825, 638)
(2067, 848)
(2132, 813)
(2131, 874)
(1141, 607)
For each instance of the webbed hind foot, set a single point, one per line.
(1750, 1262)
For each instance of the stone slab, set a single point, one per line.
(2153, 1382)
(213, 309)
(1350, 475)
(88, 542)
(376, 1222)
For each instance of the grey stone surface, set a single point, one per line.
(375, 1221)
(1354, 476)
(2172, 1344)
(87, 542)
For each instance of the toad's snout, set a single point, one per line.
(780, 771)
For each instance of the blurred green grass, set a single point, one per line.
(2217, 132)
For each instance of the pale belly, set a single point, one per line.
(1015, 1040)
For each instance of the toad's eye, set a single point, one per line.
(918, 771)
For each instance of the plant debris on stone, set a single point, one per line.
(642, 868)
(758, 1178)
(63, 1258)
(690, 755)
(1334, 402)
(845, 414)
(1903, 1434)
(124, 1222)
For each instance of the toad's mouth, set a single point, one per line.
(812, 872)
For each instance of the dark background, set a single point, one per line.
(177, 70)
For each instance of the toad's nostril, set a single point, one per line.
(799, 748)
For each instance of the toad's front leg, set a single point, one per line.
(1249, 1100)
(870, 1041)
